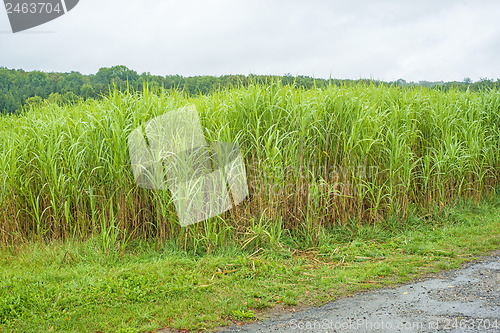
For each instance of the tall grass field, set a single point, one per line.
(315, 159)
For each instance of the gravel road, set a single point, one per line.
(463, 300)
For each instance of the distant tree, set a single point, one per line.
(483, 83)
(73, 82)
(55, 98)
(38, 84)
(118, 75)
(87, 91)
(401, 83)
(69, 97)
(11, 103)
(34, 101)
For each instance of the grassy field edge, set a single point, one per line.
(78, 288)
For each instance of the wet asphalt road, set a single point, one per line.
(463, 300)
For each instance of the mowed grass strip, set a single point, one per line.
(75, 287)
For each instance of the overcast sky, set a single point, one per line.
(386, 40)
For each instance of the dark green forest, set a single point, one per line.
(19, 88)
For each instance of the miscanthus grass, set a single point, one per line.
(315, 159)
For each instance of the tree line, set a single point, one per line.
(19, 88)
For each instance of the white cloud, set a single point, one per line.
(414, 40)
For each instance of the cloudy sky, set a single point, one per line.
(386, 40)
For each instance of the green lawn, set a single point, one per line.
(78, 288)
